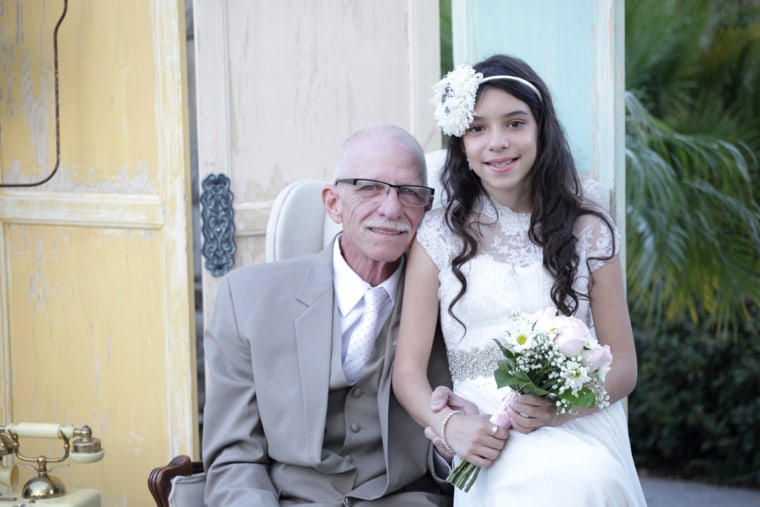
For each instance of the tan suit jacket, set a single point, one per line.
(267, 351)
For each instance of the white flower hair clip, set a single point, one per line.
(454, 98)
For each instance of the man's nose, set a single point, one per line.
(391, 205)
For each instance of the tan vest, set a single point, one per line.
(353, 457)
(353, 420)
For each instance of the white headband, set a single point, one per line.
(519, 80)
(454, 98)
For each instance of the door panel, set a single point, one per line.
(280, 85)
(96, 319)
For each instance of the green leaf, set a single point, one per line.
(534, 390)
(506, 379)
(585, 398)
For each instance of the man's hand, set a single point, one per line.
(443, 397)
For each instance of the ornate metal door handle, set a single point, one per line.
(218, 226)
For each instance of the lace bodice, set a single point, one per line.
(506, 276)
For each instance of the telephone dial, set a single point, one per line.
(46, 490)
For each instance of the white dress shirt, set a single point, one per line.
(349, 294)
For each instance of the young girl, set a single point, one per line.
(516, 235)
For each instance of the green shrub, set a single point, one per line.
(695, 413)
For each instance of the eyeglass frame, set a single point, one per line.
(353, 181)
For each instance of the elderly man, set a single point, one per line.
(299, 405)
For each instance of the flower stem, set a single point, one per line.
(463, 476)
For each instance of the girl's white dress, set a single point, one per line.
(586, 462)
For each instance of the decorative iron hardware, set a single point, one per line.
(218, 227)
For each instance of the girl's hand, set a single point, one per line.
(529, 413)
(473, 439)
(443, 397)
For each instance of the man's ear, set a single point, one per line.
(333, 204)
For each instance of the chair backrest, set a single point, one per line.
(298, 223)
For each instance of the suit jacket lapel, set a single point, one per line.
(314, 331)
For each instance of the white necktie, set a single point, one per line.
(363, 338)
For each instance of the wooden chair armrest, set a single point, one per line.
(160, 478)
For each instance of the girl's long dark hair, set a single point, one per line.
(556, 191)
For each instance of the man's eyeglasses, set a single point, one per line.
(409, 195)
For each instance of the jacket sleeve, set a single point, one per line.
(234, 446)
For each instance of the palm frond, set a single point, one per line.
(693, 224)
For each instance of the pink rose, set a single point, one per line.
(501, 416)
(597, 357)
(572, 335)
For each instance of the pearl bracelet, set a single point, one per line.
(443, 429)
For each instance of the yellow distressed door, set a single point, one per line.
(96, 310)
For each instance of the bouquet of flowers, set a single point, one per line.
(551, 356)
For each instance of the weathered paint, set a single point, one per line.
(96, 289)
(281, 84)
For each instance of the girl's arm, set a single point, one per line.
(419, 314)
(466, 434)
(609, 309)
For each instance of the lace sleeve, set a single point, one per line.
(436, 238)
(595, 240)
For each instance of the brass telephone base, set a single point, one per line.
(43, 486)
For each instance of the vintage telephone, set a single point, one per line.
(45, 489)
